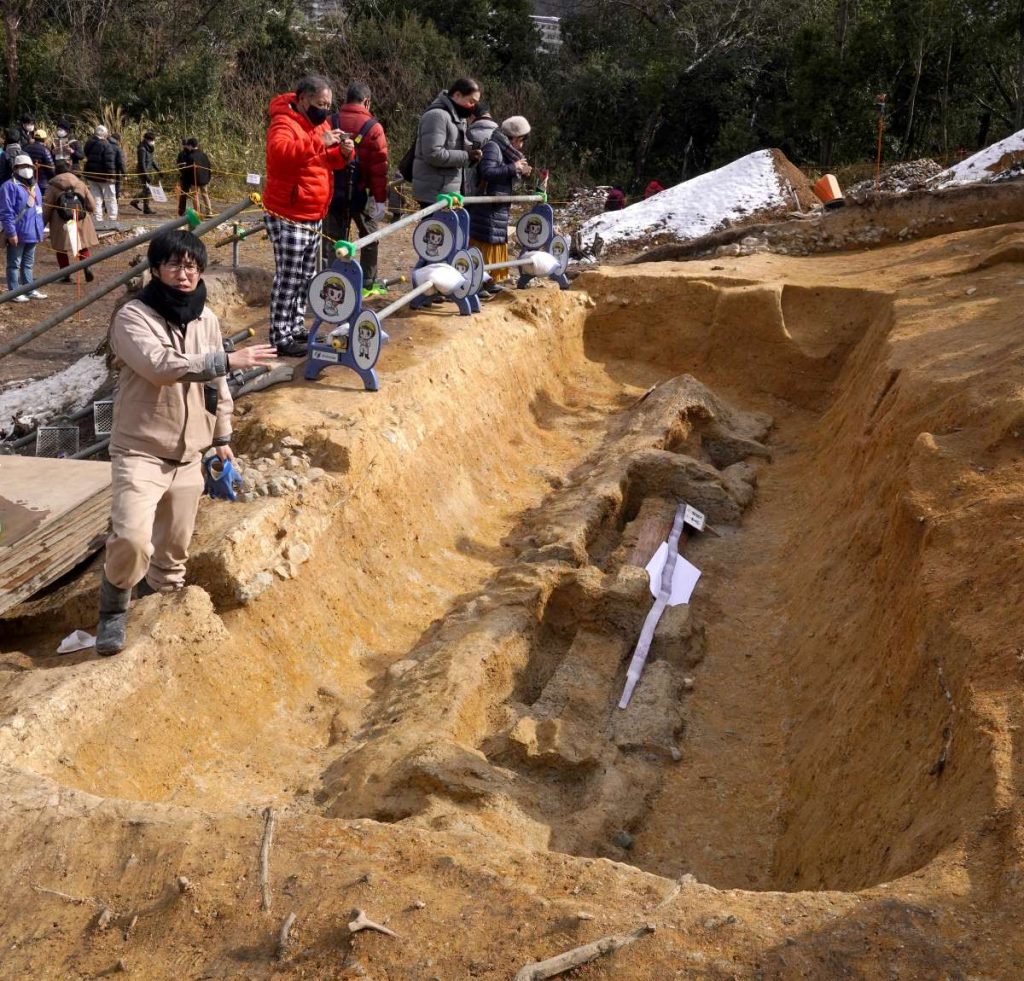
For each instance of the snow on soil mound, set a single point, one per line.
(40, 400)
(985, 164)
(751, 185)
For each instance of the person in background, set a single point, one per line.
(12, 149)
(361, 187)
(195, 173)
(654, 187)
(302, 152)
(442, 151)
(148, 170)
(101, 157)
(65, 147)
(26, 129)
(480, 129)
(41, 158)
(501, 165)
(68, 205)
(121, 170)
(616, 199)
(21, 215)
(172, 402)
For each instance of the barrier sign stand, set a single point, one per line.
(439, 238)
(336, 296)
(535, 232)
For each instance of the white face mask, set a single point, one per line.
(62, 133)
(26, 173)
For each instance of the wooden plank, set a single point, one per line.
(54, 514)
(79, 522)
(36, 491)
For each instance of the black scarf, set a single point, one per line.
(178, 307)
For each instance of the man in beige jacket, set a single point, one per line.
(172, 403)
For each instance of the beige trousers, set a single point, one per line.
(153, 514)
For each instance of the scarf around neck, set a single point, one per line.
(178, 307)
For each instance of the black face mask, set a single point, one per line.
(317, 115)
(464, 112)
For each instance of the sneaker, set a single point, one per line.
(20, 299)
(135, 204)
(292, 349)
(36, 295)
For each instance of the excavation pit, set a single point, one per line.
(449, 659)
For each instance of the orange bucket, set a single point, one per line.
(827, 190)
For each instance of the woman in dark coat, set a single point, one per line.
(501, 165)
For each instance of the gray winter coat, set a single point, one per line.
(441, 156)
(479, 132)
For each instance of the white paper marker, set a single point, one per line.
(672, 581)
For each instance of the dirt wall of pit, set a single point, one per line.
(427, 700)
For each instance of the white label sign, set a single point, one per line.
(331, 356)
(693, 517)
(253, 179)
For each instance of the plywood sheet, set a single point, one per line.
(53, 514)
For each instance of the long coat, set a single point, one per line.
(60, 240)
(496, 174)
(441, 151)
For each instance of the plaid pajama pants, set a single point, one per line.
(296, 244)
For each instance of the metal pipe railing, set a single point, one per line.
(392, 228)
(404, 300)
(61, 315)
(511, 264)
(91, 450)
(131, 243)
(241, 233)
(504, 199)
(17, 444)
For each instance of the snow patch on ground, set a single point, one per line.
(42, 399)
(986, 163)
(699, 206)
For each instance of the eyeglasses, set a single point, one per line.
(176, 267)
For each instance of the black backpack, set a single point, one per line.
(347, 179)
(70, 206)
(405, 165)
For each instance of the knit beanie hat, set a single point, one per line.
(515, 126)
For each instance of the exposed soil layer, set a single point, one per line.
(819, 775)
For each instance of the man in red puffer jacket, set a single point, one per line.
(361, 188)
(302, 151)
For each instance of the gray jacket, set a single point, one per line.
(441, 155)
(479, 132)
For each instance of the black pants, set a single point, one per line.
(337, 225)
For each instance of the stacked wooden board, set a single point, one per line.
(53, 515)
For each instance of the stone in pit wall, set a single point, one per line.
(654, 716)
(238, 546)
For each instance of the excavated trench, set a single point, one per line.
(453, 654)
